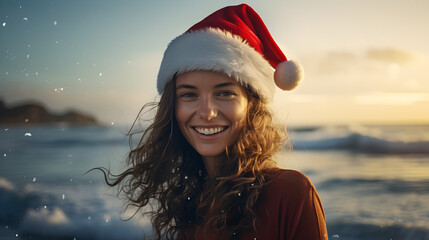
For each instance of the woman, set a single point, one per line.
(205, 164)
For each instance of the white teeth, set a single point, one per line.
(210, 131)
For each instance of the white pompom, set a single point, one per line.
(288, 75)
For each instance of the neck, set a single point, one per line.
(212, 165)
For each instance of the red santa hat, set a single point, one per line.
(233, 40)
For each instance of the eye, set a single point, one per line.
(186, 95)
(226, 93)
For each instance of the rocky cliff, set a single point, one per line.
(34, 113)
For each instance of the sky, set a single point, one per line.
(366, 62)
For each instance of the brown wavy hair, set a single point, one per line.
(167, 174)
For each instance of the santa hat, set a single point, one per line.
(233, 40)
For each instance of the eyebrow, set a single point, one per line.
(185, 86)
(224, 84)
(220, 85)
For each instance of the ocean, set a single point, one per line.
(373, 181)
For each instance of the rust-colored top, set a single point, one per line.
(289, 208)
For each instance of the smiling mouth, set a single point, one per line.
(210, 131)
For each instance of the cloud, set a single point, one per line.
(367, 62)
(330, 62)
(392, 98)
(392, 55)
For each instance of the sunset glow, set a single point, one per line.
(362, 62)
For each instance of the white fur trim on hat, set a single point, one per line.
(216, 50)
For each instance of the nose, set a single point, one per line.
(207, 109)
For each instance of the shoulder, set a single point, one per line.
(290, 205)
(281, 177)
(288, 183)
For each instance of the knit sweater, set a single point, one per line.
(289, 208)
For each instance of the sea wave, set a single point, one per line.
(61, 137)
(76, 142)
(357, 231)
(369, 140)
(376, 186)
(33, 214)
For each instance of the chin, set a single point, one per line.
(210, 152)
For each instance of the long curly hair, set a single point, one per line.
(166, 173)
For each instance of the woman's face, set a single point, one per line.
(210, 110)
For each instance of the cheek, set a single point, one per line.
(183, 113)
(239, 113)
(239, 119)
(179, 113)
(236, 114)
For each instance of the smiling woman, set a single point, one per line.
(210, 111)
(205, 165)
